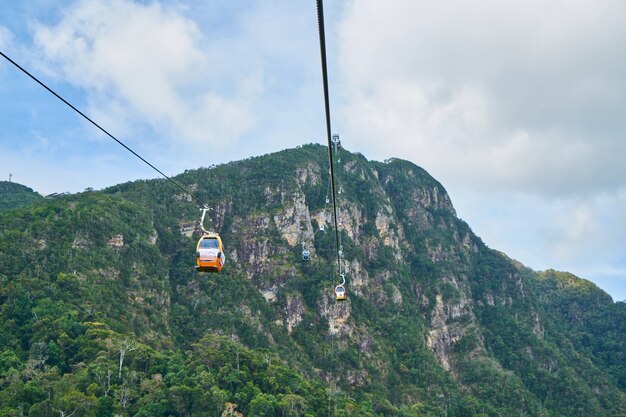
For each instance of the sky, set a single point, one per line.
(516, 107)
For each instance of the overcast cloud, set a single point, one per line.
(517, 107)
(523, 94)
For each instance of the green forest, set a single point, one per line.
(102, 312)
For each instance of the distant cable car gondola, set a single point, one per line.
(340, 293)
(340, 290)
(209, 250)
(306, 255)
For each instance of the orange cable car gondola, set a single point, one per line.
(209, 250)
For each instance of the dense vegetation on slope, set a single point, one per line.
(14, 195)
(102, 313)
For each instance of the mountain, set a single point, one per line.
(102, 312)
(13, 195)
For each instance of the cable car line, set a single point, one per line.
(176, 183)
(202, 204)
(339, 296)
(209, 250)
(322, 35)
(333, 143)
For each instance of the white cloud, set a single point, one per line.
(583, 235)
(147, 62)
(515, 94)
(516, 107)
(6, 37)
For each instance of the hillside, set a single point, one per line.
(102, 312)
(13, 195)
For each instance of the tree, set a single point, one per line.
(262, 405)
(125, 346)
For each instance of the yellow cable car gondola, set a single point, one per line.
(340, 293)
(209, 250)
(340, 290)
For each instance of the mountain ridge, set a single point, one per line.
(436, 323)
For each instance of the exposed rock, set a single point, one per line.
(117, 241)
(396, 295)
(183, 197)
(188, 228)
(433, 198)
(294, 309)
(269, 295)
(519, 282)
(309, 174)
(436, 254)
(109, 273)
(489, 299)
(358, 277)
(387, 234)
(365, 346)
(419, 294)
(257, 251)
(270, 195)
(323, 218)
(537, 327)
(337, 314)
(442, 336)
(421, 217)
(383, 276)
(350, 219)
(371, 247)
(451, 320)
(469, 243)
(294, 222)
(352, 167)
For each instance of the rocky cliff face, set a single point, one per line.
(433, 318)
(409, 262)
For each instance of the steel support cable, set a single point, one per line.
(201, 203)
(320, 20)
(176, 183)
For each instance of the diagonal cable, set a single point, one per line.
(176, 183)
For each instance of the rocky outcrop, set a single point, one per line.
(389, 235)
(294, 222)
(309, 174)
(452, 318)
(337, 314)
(433, 198)
(442, 336)
(293, 311)
(116, 241)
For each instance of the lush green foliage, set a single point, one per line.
(102, 313)
(14, 195)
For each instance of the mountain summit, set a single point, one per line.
(14, 195)
(102, 312)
